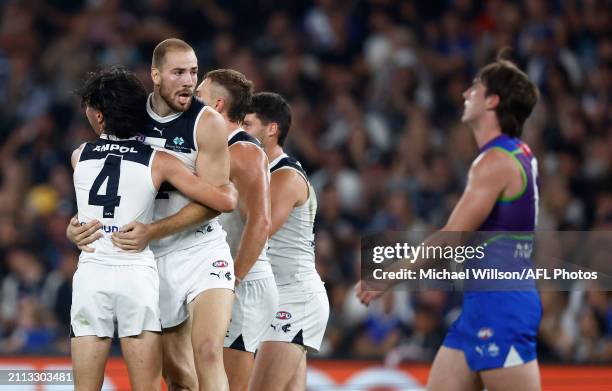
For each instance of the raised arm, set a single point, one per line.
(249, 172)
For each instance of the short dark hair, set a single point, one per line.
(121, 98)
(271, 107)
(240, 91)
(517, 94)
(165, 46)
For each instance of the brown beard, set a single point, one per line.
(167, 97)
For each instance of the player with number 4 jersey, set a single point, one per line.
(116, 179)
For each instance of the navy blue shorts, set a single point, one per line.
(497, 329)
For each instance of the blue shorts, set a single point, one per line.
(497, 329)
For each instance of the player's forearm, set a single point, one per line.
(252, 242)
(192, 214)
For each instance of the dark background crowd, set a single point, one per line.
(375, 87)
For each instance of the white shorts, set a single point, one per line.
(105, 294)
(184, 274)
(302, 315)
(254, 305)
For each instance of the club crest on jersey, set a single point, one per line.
(283, 315)
(220, 263)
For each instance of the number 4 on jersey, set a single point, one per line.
(110, 200)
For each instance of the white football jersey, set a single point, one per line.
(176, 135)
(233, 222)
(291, 248)
(113, 184)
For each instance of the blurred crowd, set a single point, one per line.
(376, 90)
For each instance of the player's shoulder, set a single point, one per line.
(76, 154)
(241, 137)
(287, 162)
(210, 121)
(196, 107)
(493, 162)
(286, 168)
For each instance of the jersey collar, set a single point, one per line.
(235, 132)
(160, 119)
(278, 159)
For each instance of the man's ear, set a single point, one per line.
(100, 117)
(219, 105)
(492, 101)
(155, 76)
(272, 130)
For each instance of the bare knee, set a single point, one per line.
(208, 351)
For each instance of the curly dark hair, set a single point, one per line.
(272, 107)
(239, 88)
(121, 98)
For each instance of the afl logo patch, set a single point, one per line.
(220, 263)
(485, 333)
(283, 315)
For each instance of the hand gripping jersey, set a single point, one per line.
(176, 134)
(291, 249)
(233, 223)
(113, 184)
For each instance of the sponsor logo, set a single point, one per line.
(114, 147)
(178, 141)
(220, 263)
(283, 315)
(485, 333)
(216, 274)
(106, 228)
(479, 350)
(110, 228)
(155, 128)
